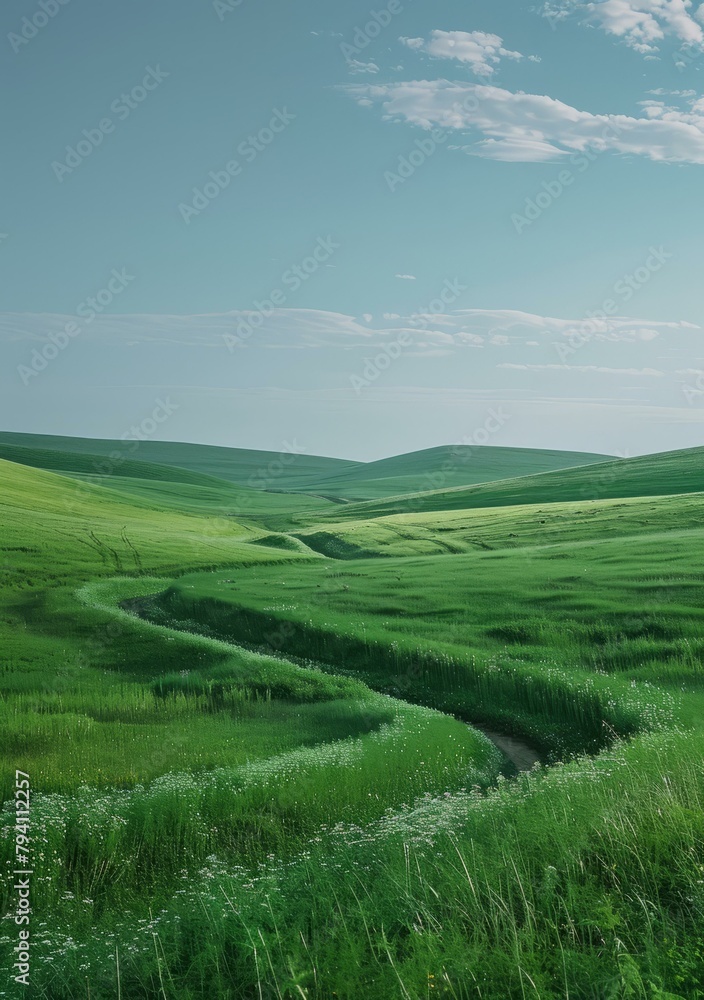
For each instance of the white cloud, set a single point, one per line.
(407, 277)
(315, 328)
(661, 92)
(355, 66)
(515, 150)
(586, 369)
(642, 24)
(482, 52)
(532, 127)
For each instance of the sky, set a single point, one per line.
(354, 230)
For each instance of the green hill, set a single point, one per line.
(672, 472)
(443, 468)
(100, 468)
(258, 469)
(164, 487)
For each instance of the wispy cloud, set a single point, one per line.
(314, 328)
(585, 369)
(356, 66)
(534, 127)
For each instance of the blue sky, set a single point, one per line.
(363, 226)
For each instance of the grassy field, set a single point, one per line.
(284, 469)
(289, 470)
(250, 765)
(648, 475)
(442, 468)
(167, 487)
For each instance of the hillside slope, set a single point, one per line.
(258, 469)
(163, 486)
(444, 468)
(671, 472)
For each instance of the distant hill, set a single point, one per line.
(100, 468)
(444, 468)
(419, 471)
(258, 469)
(163, 486)
(662, 474)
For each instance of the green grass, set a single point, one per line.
(648, 475)
(547, 638)
(150, 749)
(238, 465)
(583, 882)
(443, 468)
(288, 815)
(164, 487)
(486, 529)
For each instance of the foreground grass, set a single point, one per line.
(537, 890)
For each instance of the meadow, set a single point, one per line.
(246, 720)
(665, 474)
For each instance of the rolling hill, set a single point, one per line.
(163, 487)
(257, 469)
(666, 473)
(443, 468)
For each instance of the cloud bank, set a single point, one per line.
(305, 329)
(642, 24)
(533, 127)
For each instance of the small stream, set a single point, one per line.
(520, 754)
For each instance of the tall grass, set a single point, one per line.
(564, 711)
(585, 881)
